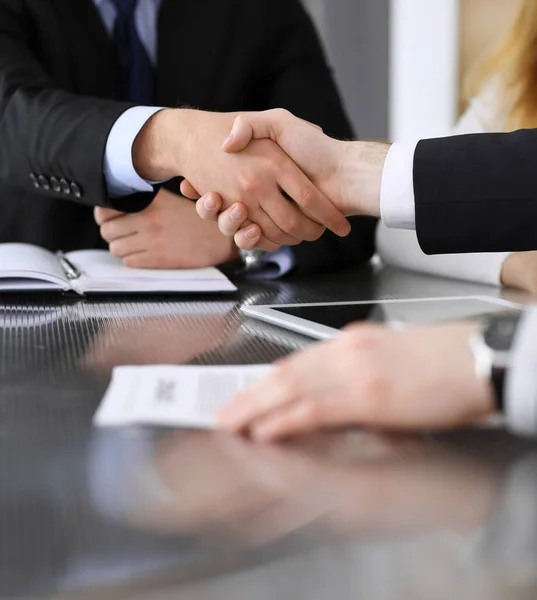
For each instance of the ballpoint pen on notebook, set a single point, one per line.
(71, 271)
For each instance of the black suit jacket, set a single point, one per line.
(477, 193)
(58, 90)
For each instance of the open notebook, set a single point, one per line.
(24, 267)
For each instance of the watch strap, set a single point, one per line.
(497, 378)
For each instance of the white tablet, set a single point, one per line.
(324, 320)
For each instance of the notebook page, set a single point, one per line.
(24, 266)
(102, 272)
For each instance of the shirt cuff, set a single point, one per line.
(521, 383)
(397, 204)
(275, 264)
(119, 172)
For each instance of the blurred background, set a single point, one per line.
(393, 90)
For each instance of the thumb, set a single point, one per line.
(270, 124)
(245, 129)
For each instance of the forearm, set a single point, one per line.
(360, 175)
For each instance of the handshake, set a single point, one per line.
(269, 178)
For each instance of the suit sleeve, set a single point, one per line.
(47, 132)
(477, 193)
(301, 81)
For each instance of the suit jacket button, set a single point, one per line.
(55, 185)
(43, 182)
(76, 190)
(33, 177)
(64, 186)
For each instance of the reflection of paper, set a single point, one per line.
(185, 396)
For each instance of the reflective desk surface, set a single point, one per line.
(167, 514)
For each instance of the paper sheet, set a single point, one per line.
(172, 396)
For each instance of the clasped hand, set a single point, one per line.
(349, 174)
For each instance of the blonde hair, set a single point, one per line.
(516, 60)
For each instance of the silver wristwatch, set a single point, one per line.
(491, 348)
(252, 260)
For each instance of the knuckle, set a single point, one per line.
(287, 386)
(375, 398)
(281, 113)
(154, 224)
(306, 197)
(115, 249)
(249, 185)
(294, 226)
(107, 231)
(311, 413)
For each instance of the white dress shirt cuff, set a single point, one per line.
(276, 264)
(521, 383)
(397, 206)
(119, 172)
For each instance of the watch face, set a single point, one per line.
(501, 331)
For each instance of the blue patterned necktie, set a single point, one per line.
(137, 75)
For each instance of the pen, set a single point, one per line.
(70, 269)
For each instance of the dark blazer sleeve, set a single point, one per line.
(46, 131)
(301, 81)
(477, 193)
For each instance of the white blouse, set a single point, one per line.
(487, 113)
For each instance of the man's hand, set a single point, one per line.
(166, 235)
(374, 377)
(520, 271)
(350, 174)
(189, 143)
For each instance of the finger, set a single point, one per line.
(117, 228)
(292, 220)
(188, 190)
(232, 219)
(249, 237)
(305, 416)
(244, 243)
(261, 398)
(102, 215)
(209, 206)
(264, 244)
(126, 246)
(271, 230)
(262, 125)
(139, 260)
(294, 183)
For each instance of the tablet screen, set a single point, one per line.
(337, 316)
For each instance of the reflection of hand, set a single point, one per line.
(349, 174)
(189, 143)
(372, 377)
(226, 488)
(166, 235)
(154, 340)
(519, 270)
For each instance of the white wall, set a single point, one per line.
(424, 68)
